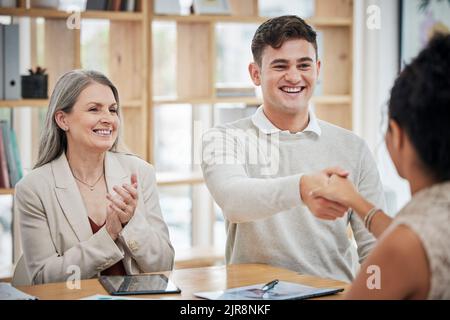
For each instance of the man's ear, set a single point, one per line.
(61, 120)
(255, 74)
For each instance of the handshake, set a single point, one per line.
(328, 194)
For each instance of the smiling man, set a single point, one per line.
(262, 169)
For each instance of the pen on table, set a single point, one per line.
(270, 285)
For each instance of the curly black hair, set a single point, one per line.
(420, 103)
(274, 32)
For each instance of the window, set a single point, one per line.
(164, 59)
(273, 8)
(233, 57)
(94, 45)
(176, 207)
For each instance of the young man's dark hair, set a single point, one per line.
(276, 31)
(420, 104)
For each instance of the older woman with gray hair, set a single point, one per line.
(86, 207)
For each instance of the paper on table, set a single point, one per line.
(282, 291)
(8, 292)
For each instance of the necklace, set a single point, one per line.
(91, 187)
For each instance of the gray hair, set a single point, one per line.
(53, 141)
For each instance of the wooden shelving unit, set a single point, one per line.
(131, 62)
(131, 70)
(196, 58)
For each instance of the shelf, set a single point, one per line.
(209, 18)
(43, 103)
(6, 192)
(164, 179)
(56, 14)
(317, 22)
(327, 99)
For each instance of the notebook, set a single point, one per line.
(282, 291)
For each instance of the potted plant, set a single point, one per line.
(34, 85)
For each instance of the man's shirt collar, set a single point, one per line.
(261, 121)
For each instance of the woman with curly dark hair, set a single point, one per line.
(412, 257)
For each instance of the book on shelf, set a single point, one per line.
(4, 175)
(16, 155)
(97, 5)
(111, 5)
(10, 155)
(129, 6)
(114, 5)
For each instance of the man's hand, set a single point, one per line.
(322, 208)
(340, 190)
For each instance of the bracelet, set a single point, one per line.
(369, 216)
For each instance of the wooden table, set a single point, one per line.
(194, 280)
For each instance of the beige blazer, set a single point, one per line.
(56, 236)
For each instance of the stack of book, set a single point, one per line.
(112, 5)
(10, 164)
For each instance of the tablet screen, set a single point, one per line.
(138, 284)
